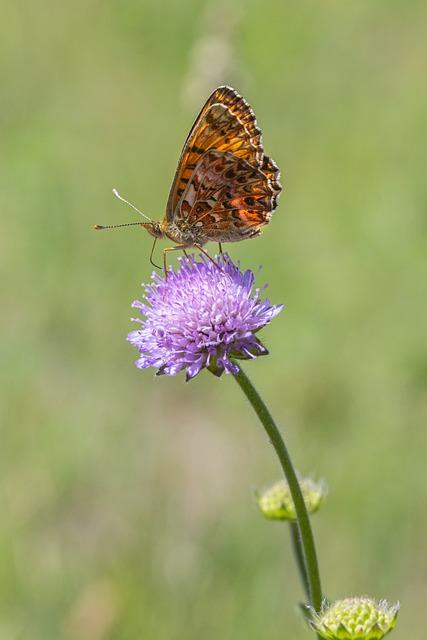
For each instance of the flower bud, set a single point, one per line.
(276, 502)
(355, 619)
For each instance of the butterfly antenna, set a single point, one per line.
(102, 227)
(117, 194)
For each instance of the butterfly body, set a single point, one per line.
(225, 188)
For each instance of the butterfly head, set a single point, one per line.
(153, 229)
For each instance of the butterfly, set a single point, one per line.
(225, 188)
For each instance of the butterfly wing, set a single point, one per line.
(271, 171)
(227, 199)
(226, 123)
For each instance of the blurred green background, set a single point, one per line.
(127, 506)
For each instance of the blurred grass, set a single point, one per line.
(126, 500)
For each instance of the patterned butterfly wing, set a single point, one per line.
(271, 171)
(227, 199)
(226, 123)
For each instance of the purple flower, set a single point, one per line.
(200, 316)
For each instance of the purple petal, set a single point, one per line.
(198, 313)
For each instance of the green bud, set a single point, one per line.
(276, 502)
(355, 619)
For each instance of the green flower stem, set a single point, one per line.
(299, 557)
(303, 521)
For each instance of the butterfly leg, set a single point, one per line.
(151, 255)
(200, 248)
(179, 247)
(220, 247)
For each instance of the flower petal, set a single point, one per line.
(200, 316)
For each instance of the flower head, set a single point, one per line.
(276, 502)
(202, 315)
(355, 619)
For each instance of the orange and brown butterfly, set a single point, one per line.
(225, 188)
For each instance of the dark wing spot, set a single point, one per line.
(195, 149)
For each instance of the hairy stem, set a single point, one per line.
(303, 522)
(299, 557)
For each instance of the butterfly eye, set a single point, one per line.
(199, 209)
